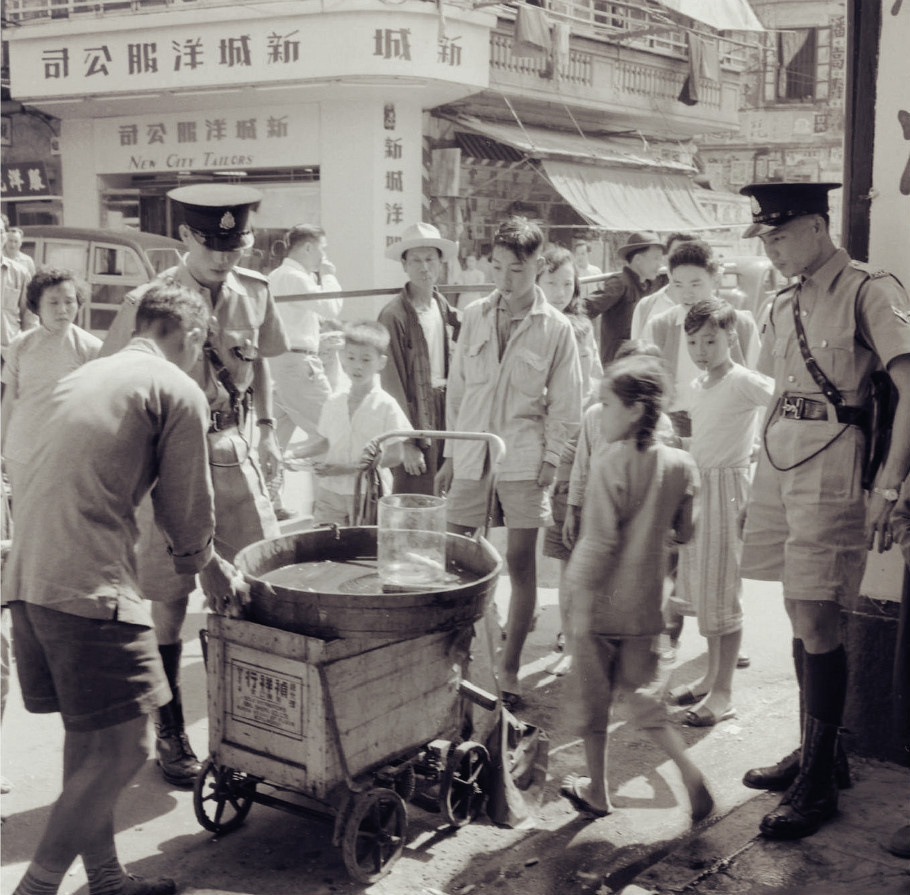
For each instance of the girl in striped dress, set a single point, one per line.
(726, 400)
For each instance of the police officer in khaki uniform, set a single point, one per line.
(809, 522)
(244, 330)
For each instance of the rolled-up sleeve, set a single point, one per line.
(183, 496)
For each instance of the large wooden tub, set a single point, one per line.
(320, 612)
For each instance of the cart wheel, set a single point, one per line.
(461, 789)
(222, 797)
(374, 834)
(406, 783)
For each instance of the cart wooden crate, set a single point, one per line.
(349, 724)
(337, 703)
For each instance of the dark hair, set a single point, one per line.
(167, 306)
(694, 254)
(714, 311)
(303, 233)
(44, 278)
(520, 236)
(637, 348)
(555, 256)
(639, 380)
(367, 332)
(679, 237)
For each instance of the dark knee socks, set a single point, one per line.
(826, 685)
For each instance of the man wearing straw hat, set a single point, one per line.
(423, 326)
(615, 301)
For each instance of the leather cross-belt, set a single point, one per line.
(223, 419)
(793, 407)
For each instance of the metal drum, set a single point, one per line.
(339, 593)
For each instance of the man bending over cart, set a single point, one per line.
(120, 427)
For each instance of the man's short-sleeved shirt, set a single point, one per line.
(301, 318)
(852, 322)
(244, 326)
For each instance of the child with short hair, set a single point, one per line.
(726, 400)
(639, 492)
(515, 373)
(350, 419)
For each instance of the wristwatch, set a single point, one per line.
(270, 422)
(890, 494)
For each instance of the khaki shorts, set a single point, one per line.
(515, 504)
(806, 527)
(96, 672)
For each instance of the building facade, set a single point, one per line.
(366, 116)
(792, 122)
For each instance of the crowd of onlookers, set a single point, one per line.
(629, 404)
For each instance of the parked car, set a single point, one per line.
(750, 282)
(112, 262)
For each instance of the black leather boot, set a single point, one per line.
(778, 777)
(812, 799)
(173, 752)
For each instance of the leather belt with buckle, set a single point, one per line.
(223, 419)
(793, 407)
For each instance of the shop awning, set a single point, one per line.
(616, 183)
(541, 143)
(723, 15)
(617, 199)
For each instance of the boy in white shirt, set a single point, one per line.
(351, 419)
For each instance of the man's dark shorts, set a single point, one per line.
(95, 672)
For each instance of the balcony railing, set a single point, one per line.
(578, 69)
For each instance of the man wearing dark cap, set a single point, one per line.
(809, 523)
(244, 330)
(615, 301)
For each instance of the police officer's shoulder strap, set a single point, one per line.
(781, 294)
(871, 273)
(875, 273)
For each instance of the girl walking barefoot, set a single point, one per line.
(639, 492)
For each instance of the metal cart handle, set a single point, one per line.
(495, 445)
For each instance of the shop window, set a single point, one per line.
(800, 70)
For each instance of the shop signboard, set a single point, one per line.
(226, 138)
(24, 180)
(243, 51)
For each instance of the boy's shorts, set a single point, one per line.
(95, 672)
(552, 541)
(515, 504)
(332, 508)
(605, 668)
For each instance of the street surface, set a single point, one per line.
(275, 853)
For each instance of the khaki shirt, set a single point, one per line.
(244, 323)
(852, 323)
